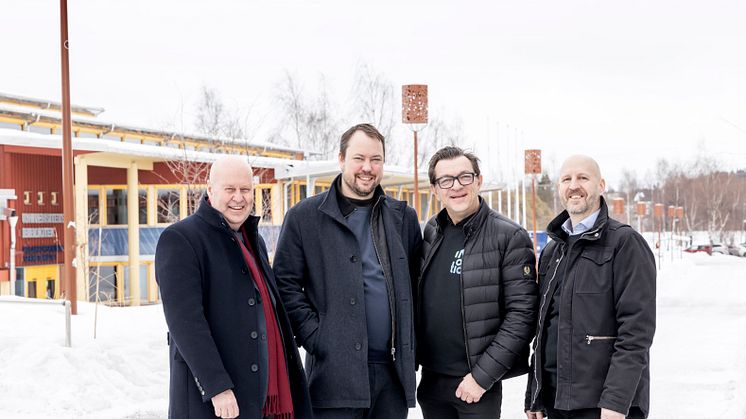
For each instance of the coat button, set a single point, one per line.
(353, 259)
(358, 346)
(352, 301)
(254, 368)
(254, 335)
(264, 336)
(252, 301)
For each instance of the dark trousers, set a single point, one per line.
(595, 413)
(386, 398)
(437, 397)
(634, 413)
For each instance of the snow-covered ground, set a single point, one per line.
(698, 366)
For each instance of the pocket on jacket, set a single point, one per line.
(592, 361)
(596, 271)
(317, 337)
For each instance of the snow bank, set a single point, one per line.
(698, 369)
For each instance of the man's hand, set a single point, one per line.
(610, 414)
(534, 415)
(469, 391)
(226, 406)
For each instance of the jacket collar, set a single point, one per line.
(214, 218)
(555, 231)
(337, 206)
(471, 225)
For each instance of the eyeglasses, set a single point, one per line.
(447, 182)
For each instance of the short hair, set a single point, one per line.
(368, 130)
(449, 153)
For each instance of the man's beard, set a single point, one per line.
(357, 190)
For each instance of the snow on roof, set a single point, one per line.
(48, 104)
(34, 114)
(161, 153)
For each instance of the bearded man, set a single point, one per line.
(597, 310)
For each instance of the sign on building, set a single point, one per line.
(42, 218)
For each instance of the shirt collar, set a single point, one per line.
(583, 226)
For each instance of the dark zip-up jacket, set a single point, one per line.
(319, 272)
(498, 293)
(606, 318)
(214, 316)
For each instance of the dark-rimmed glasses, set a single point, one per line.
(447, 182)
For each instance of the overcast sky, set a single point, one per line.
(627, 82)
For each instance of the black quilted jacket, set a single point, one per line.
(498, 292)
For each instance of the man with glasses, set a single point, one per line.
(476, 293)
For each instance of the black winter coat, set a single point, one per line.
(319, 273)
(498, 292)
(211, 308)
(606, 317)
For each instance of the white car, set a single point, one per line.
(738, 250)
(719, 248)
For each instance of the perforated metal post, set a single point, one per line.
(414, 114)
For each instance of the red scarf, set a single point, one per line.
(279, 401)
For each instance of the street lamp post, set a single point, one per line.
(532, 166)
(414, 114)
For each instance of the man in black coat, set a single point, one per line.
(597, 316)
(476, 296)
(344, 263)
(231, 346)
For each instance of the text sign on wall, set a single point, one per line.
(42, 218)
(38, 233)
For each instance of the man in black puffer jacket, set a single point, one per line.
(477, 296)
(597, 311)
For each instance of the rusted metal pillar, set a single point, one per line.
(68, 198)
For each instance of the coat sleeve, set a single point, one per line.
(414, 234)
(179, 277)
(291, 274)
(634, 299)
(519, 290)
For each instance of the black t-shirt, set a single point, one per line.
(442, 346)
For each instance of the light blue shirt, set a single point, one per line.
(582, 226)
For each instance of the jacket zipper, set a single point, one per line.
(463, 316)
(389, 284)
(541, 326)
(590, 338)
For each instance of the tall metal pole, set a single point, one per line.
(67, 167)
(416, 180)
(536, 237)
(414, 113)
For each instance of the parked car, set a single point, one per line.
(720, 248)
(738, 250)
(705, 248)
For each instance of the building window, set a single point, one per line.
(93, 210)
(266, 214)
(168, 205)
(105, 276)
(194, 195)
(116, 206)
(142, 202)
(143, 280)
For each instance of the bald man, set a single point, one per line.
(597, 309)
(231, 344)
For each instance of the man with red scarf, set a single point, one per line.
(231, 346)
